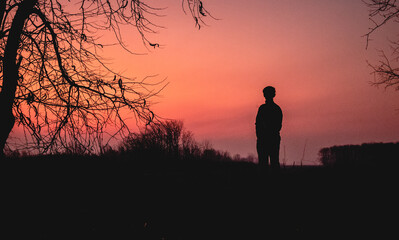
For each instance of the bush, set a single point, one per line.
(169, 140)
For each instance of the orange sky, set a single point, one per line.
(313, 52)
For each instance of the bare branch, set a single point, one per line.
(66, 96)
(381, 12)
(386, 72)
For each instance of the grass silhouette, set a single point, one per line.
(110, 197)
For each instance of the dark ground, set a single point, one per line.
(113, 199)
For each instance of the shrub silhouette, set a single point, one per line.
(169, 140)
(157, 140)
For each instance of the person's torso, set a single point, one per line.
(269, 119)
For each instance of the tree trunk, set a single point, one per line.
(2, 12)
(10, 69)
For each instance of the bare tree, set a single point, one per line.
(53, 80)
(382, 12)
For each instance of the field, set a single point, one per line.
(92, 198)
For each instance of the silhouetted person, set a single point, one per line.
(268, 126)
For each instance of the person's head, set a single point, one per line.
(269, 92)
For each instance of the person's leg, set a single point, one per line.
(263, 161)
(275, 154)
(262, 154)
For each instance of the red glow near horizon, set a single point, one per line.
(312, 52)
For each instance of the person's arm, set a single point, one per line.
(258, 123)
(280, 119)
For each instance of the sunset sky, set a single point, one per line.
(312, 52)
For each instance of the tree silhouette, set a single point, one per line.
(53, 80)
(382, 12)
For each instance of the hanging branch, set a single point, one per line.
(382, 12)
(67, 98)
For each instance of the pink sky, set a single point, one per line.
(313, 53)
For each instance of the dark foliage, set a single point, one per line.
(169, 141)
(365, 155)
(166, 141)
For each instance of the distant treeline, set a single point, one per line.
(367, 154)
